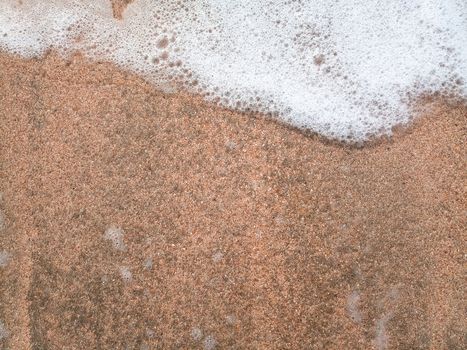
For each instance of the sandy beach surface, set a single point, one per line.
(133, 219)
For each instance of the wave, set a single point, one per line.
(344, 69)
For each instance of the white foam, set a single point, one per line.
(3, 331)
(217, 256)
(115, 235)
(126, 274)
(148, 264)
(2, 221)
(196, 333)
(209, 343)
(339, 68)
(353, 301)
(4, 258)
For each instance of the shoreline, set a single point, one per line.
(422, 107)
(239, 232)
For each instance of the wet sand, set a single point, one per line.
(230, 231)
(119, 7)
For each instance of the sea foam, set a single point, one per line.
(346, 69)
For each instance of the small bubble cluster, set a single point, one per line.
(217, 256)
(346, 70)
(196, 334)
(125, 274)
(209, 343)
(353, 301)
(3, 331)
(4, 258)
(148, 263)
(115, 236)
(2, 221)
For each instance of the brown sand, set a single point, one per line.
(119, 6)
(239, 233)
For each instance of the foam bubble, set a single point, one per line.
(2, 221)
(115, 235)
(231, 319)
(342, 69)
(3, 331)
(353, 301)
(209, 343)
(148, 263)
(126, 274)
(150, 333)
(217, 256)
(196, 333)
(4, 258)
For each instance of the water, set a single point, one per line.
(344, 69)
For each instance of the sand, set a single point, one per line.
(119, 7)
(134, 219)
